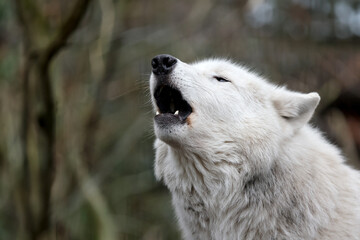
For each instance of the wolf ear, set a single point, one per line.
(296, 107)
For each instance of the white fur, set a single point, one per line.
(248, 166)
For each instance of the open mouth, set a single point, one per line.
(172, 108)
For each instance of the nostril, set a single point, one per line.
(163, 64)
(155, 63)
(169, 62)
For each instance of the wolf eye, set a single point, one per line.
(221, 79)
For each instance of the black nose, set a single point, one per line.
(163, 64)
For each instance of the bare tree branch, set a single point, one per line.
(67, 28)
(41, 119)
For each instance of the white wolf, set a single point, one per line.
(240, 159)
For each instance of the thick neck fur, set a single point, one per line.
(209, 173)
(278, 201)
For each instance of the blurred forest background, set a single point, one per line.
(76, 134)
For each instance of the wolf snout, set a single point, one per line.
(163, 64)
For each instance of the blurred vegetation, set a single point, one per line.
(76, 135)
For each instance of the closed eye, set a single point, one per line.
(221, 79)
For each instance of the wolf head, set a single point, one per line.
(215, 105)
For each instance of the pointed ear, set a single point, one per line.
(296, 108)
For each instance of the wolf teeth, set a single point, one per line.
(176, 113)
(157, 112)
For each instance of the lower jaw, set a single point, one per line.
(168, 119)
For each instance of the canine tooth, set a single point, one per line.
(157, 112)
(177, 112)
